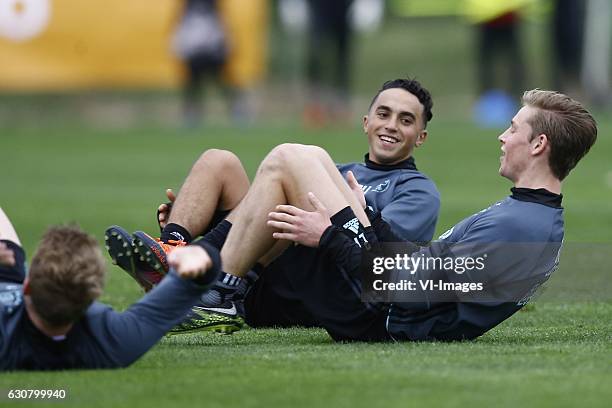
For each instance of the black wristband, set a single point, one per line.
(17, 272)
(212, 274)
(328, 235)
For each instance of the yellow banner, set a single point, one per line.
(479, 11)
(75, 44)
(476, 11)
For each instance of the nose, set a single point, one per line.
(391, 124)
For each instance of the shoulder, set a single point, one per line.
(97, 312)
(514, 220)
(98, 308)
(415, 181)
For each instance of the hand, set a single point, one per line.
(356, 188)
(297, 225)
(163, 211)
(190, 261)
(7, 256)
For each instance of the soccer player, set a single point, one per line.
(395, 125)
(50, 319)
(298, 195)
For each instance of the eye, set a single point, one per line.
(381, 114)
(407, 121)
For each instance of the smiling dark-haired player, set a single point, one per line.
(395, 124)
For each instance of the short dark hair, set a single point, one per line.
(570, 128)
(414, 87)
(66, 275)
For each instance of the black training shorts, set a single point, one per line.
(302, 288)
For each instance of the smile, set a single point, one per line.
(388, 139)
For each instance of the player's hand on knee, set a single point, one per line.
(355, 188)
(7, 256)
(163, 211)
(297, 225)
(190, 262)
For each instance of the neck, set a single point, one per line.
(376, 160)
(539, 178)
(40, 324)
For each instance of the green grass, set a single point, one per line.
(556, 354)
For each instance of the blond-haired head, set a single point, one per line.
(66, 275)
(571, 130)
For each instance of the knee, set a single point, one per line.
(316, 152)
(283, 154)
(281, 158)
(222, 160)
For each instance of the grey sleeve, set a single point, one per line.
(413, 213)
(509, 270)
(128, 335)
(482, 255)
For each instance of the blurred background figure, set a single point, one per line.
(567, 30)
(500, 67)
(596, 56)
(247, 24)
(317, 44)
(200, 41)
(222, 42)
(328, 62)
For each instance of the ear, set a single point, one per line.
(539, 144)
(421, 138)
(26, 286)
(365, 123)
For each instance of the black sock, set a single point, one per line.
(217, 236)
(218, 216)
(175, 232)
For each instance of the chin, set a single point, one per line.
(388, 157)
(505, 175)
(385, 159)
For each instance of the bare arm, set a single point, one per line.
(7, 231)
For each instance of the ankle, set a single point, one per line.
(175, 232)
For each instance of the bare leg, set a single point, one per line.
(333, 172)
(285, 176)
(217, 180)
(279, 247)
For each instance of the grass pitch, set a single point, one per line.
(557, 353)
